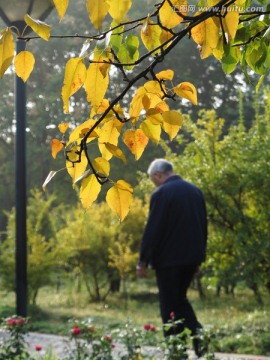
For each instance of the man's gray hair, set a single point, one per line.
(160, 166)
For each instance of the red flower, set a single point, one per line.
(113, 346)
(172, 315)
(12, 322)
(76, 331)
(20, 321)
(152, 328)
(108, 338)
(38, 348)
(147, 327)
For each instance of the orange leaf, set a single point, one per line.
(136, 141)
(56, 147)
(63, 127)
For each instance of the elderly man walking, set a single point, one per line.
(174, 244)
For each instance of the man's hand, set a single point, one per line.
(141, 270)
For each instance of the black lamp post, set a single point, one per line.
(12, 12)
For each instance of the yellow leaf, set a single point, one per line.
(116, 151)
(24, 64)
(136, 141)
(97, 10)
(75, 75)
(103, 106)
(153, 87)
(119, 198)
(172, 122)
(198, 32)
(6, 50)
(102, 166)
(150, 35)
(136, 105)
(63, 127)
(187, 91)
(75, 135)
(119, 8)
(89, 191)
(96, 83)
(168, 14)
(230, 22)
(165, 75)
(61, 7)
(108, 134)
(76, 169)
(161, 107)
(154, 116)
(93, 134)
(219, 51)
(56, 147)
(211, 3)
(151, 131)
(165, 36)
(39, 27)
(150, 101)
(206, 34)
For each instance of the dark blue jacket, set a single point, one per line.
(176, 230)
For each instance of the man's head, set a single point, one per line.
(160, 170)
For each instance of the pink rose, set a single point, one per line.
(38, 348)
(76, 331)
(152, 328)
(172, 315)
(108, 338)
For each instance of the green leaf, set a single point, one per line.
(256, 56)
(242, 35)
(128, 52)
(132, 43)
(230, 59)
(116, 37)
(244, 68)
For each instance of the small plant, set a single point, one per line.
(175, 343)
(102, 348)
(204, 336)
(134, 339)
(81, 336)
(14, 345)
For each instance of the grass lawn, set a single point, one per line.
(237, 323)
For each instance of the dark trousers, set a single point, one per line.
(173, 283)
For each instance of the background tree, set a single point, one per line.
(230, 170)
(42, 260)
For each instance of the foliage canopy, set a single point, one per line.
(233, 31)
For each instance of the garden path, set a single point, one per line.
(59, 343)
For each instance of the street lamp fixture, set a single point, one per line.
(12, 13)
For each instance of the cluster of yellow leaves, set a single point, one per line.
(209, 33)
(148, 113)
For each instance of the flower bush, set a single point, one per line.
(14, 346)
(86, 342)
